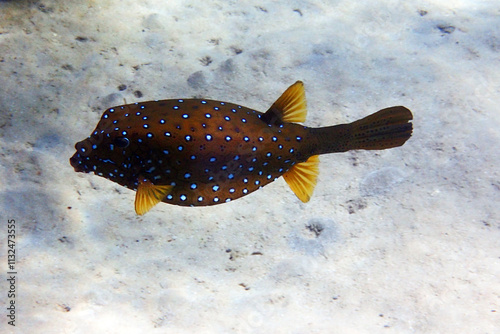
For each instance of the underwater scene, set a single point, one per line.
(249, 167)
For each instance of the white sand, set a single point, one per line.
(410, 236)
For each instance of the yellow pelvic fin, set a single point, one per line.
(302, 178)
(291, 105)
(148, 195)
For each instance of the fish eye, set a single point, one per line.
(122, 142)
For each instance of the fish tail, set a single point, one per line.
(387, 128)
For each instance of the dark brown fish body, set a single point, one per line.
(196, 152)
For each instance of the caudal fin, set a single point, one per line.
(389, 127)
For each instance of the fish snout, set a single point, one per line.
(83, 150)
(76, 163)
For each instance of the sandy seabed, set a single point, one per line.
(399, 241)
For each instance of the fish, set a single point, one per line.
(201, 152)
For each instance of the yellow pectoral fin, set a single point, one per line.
(292, 104)
(302, 178)
(148, 195)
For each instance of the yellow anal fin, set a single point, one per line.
(302, 178)
(291, 105)
(148, 195)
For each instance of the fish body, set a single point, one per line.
(199, 152)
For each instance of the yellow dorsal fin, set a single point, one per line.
(148, 195)
(302, 178)
(291, 105)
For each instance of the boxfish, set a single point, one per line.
(200, 152)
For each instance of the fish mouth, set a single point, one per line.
(76, 163)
